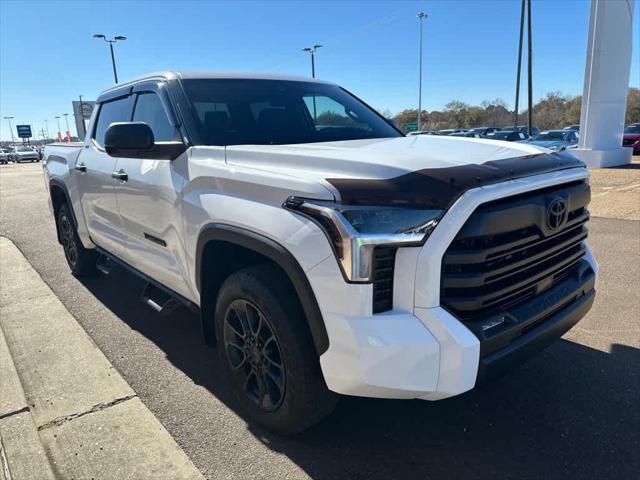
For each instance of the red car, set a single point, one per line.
(631, 137)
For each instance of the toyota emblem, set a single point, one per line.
(556, 213)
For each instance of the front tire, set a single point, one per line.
(81, 261)
(267, 351)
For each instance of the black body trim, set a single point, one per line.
(155, 239)
(282, 257)
(185, 301)
(439, 188)
(60, 184)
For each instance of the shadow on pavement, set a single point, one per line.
(571, 412)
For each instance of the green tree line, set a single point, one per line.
(555, 110)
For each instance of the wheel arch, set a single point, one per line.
(221, 243)
(60, 196)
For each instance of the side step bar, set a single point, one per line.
(105, 264)
(158, 299)
(157, 296)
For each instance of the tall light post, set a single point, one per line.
(421, 16)
(312, 51)
(66, 119)
(111, 42)
(59, 134)
(10, 129)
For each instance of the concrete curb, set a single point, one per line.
(64, 408)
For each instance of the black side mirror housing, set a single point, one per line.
(136, 140)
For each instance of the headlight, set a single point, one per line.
(355, 230)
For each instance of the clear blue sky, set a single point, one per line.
(47, 55)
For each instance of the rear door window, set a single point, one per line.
(110, 112)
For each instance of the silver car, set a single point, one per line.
(24, 154)
(4, 156)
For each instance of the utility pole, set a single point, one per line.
(312, 51)
(421, 17)
(515, 112)
(84, 128)
(530, 69)
(111, 42)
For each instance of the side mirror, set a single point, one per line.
(136, 140)
(124, 138)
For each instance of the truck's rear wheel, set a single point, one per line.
(81, 261)
(267, 351)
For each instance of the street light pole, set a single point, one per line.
(66, 119)
(59, 134)
(10, 129)
(111, 42)
(312, 51)
(421, 17)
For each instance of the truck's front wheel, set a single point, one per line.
(81, 261)
(267, 351)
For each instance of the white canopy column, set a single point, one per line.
(606, 84)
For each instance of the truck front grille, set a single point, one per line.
(384, 259)
(506, 253)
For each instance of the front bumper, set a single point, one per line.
(419, 349)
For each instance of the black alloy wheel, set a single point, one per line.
(254, 355)
(67, 237)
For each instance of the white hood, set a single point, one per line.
(375, 159)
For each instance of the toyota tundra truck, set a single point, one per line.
(326, 252)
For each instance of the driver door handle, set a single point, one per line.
(120, 175)
(81, 167)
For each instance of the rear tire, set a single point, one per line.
(81, 261)
(267, 352)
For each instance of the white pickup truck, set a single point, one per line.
(327, 252)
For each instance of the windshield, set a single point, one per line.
(268, 112)
(24, 149)
(632, 129)
(549, 136)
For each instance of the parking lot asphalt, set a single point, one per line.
(573, 411)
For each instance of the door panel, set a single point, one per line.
(96, 185)
(98, 200)
(150, 206)
(150, 210)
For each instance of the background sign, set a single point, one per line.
(411, 127)
(24, 131)
(82, 114)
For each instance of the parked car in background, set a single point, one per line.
(449, 131)
(468, 133)
(557, 140)
(572, 127)
(631, 137)
(484, 131)
(24, 153)
(4, 156)
(421, 132)
(507, 135)
(521, 128)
